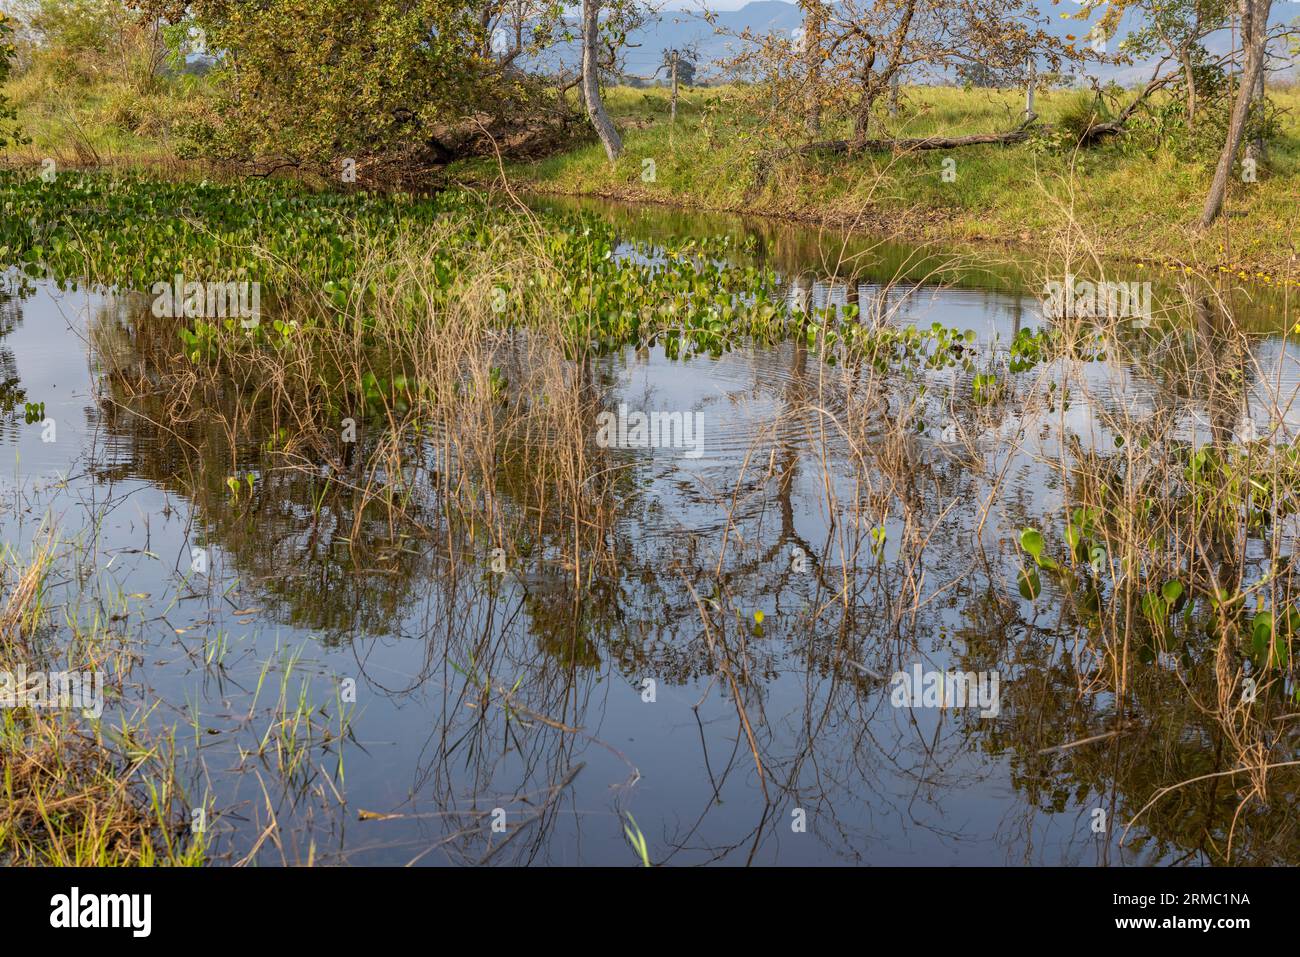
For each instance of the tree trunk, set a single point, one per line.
(1254, 18)
(870, 91)
(862, 121)
(812, 39)
(1029, 87)
(909, 145)
(591, 81)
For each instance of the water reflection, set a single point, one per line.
(628, 671)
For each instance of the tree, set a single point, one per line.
(853, 52)
(596, 111)
(9, 131)
(1181, 24)
(83, 41)
(1254, 41)
(1176, 29)
(398, 86)
(814, 31)
(686, 69)
(976, 75)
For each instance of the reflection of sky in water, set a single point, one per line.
(886, 786)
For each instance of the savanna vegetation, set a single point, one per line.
(828, 126)
(399, 444)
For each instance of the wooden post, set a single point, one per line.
(674, 107)
(1255, 149)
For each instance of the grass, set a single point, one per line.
(1136, 205)
(79, 123)
(74, 789)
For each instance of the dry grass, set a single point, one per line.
(73, 790)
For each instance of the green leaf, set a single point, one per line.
(1261, 630)
(1172, 591)
(1032, 542)
(1031, 585)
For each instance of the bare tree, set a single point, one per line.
(814, 29)
(853, 53)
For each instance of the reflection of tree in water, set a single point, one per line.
(1166, 737)
(12, 394)
(516, 663)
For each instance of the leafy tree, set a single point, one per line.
(1176, 30)
(976, 75)
(396, 85)
(685, 72)
(685, 65)
(9, 130)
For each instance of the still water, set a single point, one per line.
(775, 739)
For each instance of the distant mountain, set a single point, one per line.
(679, 29)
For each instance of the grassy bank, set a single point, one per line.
(1132, 202)
(83, 122)
(1134, 197)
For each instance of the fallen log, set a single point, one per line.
(766, 162)
(1094, 132)
(906, 145)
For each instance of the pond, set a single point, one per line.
(738, 667)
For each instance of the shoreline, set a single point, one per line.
(900, 226)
